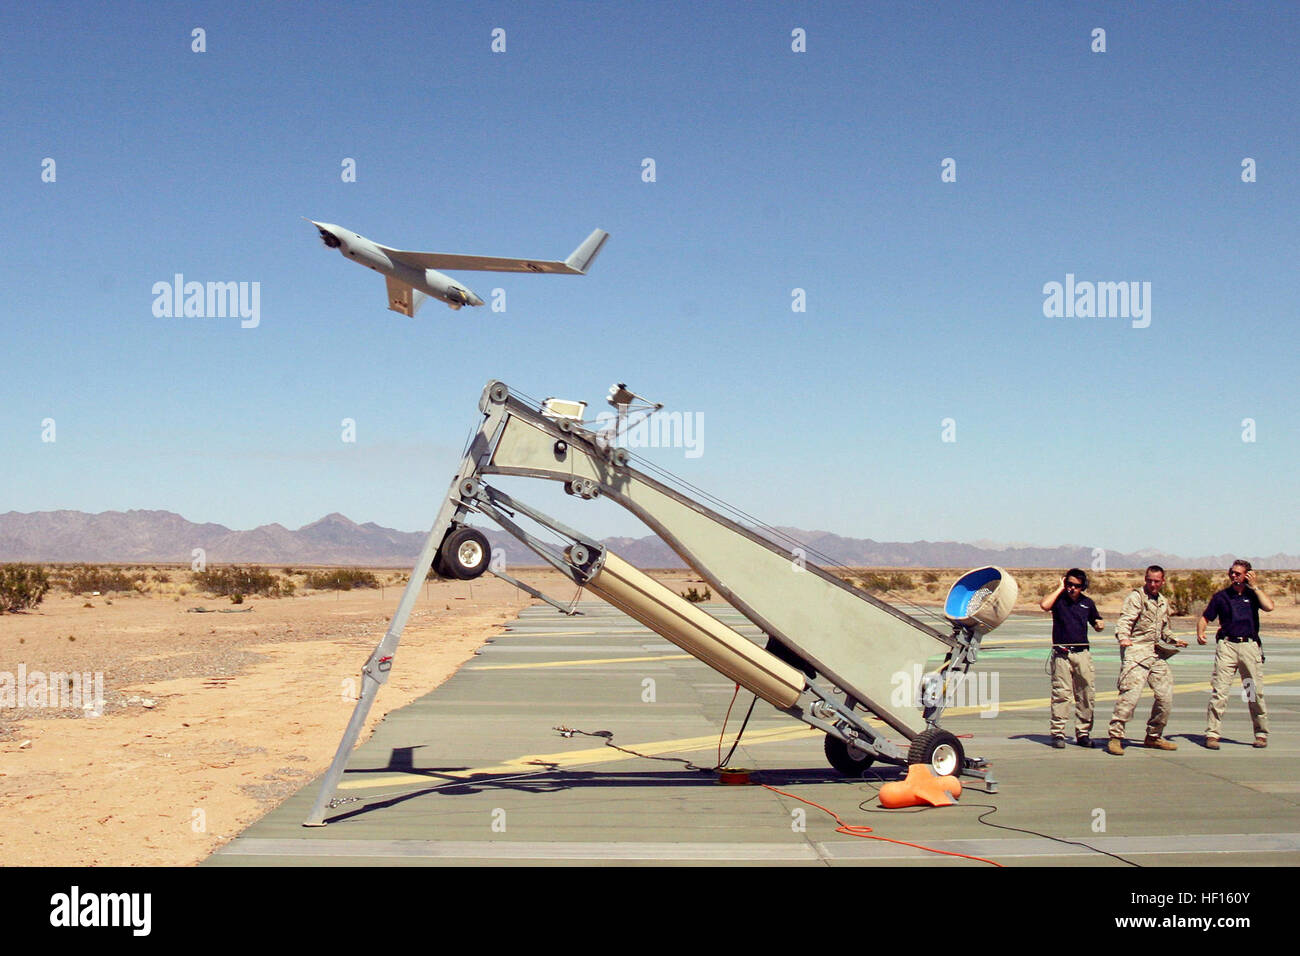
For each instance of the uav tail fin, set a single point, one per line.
(586, 253)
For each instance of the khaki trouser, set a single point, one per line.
(1231, 659)
(1143, 666)
(1073, 688)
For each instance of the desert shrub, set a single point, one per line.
(341, 579)
(929, 577)
(897, 581)
(22, 586)
(162, 577)
(234, 579)
(695, 597)
(84, 578)
(1184, 591)
(1103, 582)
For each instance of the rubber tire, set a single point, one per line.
(924, 747)
(837, 754)
(439, 569)
(449, 559)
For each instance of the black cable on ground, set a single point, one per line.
(990, 809)
(608, 737)
(736, 743)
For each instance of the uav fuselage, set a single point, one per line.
(369, 254)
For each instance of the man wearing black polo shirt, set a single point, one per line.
(1073, 677)
(1238, 650)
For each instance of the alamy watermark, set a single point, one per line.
(54, 690)
(660, 430)
(128, 910)
(919, 689)
(211, 300)
(1099, 300)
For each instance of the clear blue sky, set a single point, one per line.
(775, 170)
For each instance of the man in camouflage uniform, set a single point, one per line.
(1143, 626)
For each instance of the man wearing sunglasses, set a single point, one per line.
(1073, 676)
(1237, 650)
(1143, 629)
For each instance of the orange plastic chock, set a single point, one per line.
(920, 786)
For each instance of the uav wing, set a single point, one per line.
(577, 264)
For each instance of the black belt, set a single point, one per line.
(1237, 640)
(1069, 648)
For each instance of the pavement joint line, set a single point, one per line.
(533, 632)
(1216, 773)
(991, 650)
(599, 660)
(996, 642)
(1031, 703)
(824, 851)
(596, 755)
(520, 850)
(818, 846)
(1175, 844)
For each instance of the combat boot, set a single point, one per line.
(1115, 746)
(1159, 743)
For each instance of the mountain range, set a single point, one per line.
(156, 537)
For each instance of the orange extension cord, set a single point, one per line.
(865, 831)
(850, 829)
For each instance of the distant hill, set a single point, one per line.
(164, 537)
(161, 536)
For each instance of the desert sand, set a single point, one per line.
(210, 718)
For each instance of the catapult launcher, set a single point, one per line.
(834, 656)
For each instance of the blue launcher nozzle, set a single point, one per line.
(982, 598)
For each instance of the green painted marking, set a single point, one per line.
(1038, 654)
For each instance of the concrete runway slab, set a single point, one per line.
(476, 773)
